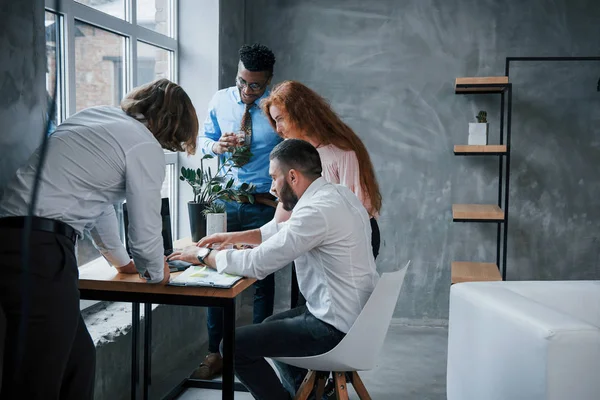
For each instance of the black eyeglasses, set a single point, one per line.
(252, 86)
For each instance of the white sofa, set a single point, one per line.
(524, 341)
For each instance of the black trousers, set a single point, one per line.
(48, 353)
(375, 237)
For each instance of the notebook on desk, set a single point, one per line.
(167, 235)
(203, 276)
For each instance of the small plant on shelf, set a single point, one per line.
(478, 131)
(482, 117)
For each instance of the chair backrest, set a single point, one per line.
(359, 349)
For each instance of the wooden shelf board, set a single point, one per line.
(474, 272)
(477, 212)
(481, 84)
(489, 149)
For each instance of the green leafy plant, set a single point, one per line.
(482, 117)
(209, 188)
(214, 208)
(240, 155)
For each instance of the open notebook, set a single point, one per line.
(197, 275)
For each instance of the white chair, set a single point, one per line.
(528, 340)
(359, 349)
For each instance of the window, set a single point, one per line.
(53, 56)
(155, 15)
(99, 67)
(116, 8)
(169, 188)
(152, 63)
(102, 49)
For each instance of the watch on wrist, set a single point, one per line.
(203, 252)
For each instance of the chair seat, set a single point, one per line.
(323, 363)
(359, 349)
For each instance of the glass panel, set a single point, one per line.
(99, 66)
(152, 63)
(116, 8)
(53, 40)
(167, 187)
(155, 15)
(168, 190)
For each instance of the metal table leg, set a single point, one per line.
(147, 379)
(228, 349)
(295, 290)
(135, 362)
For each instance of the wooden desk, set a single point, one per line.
(104, 283)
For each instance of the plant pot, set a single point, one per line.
(216, 223)
(197, 220)
(478, 133)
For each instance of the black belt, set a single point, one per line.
(41, 224)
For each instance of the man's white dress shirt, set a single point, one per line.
(329, 238)
(97, 158)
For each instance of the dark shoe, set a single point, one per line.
(210, 367)
(329, 390)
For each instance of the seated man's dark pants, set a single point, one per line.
(293, 333)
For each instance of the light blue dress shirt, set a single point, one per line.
(225, 113)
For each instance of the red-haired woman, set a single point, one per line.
(296, 111)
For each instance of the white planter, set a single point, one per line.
(216, 223)
(478, 133)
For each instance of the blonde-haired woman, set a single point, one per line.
(296, 111)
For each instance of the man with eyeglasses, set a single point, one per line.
(236, 126)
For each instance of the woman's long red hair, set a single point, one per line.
(310, 113)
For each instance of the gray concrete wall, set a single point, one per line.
(22, 82)
(231, 38)
(178, 346)
(388, 67)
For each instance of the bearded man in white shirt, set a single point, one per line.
(329, 238)
(96, 158)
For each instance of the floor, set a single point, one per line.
(413, 367)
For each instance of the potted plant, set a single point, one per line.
(208, 189)
(216, 218)
(478, 131)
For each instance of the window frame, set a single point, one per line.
(71, 10)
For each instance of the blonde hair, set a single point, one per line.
(168, 113)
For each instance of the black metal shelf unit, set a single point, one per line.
(493, 85)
